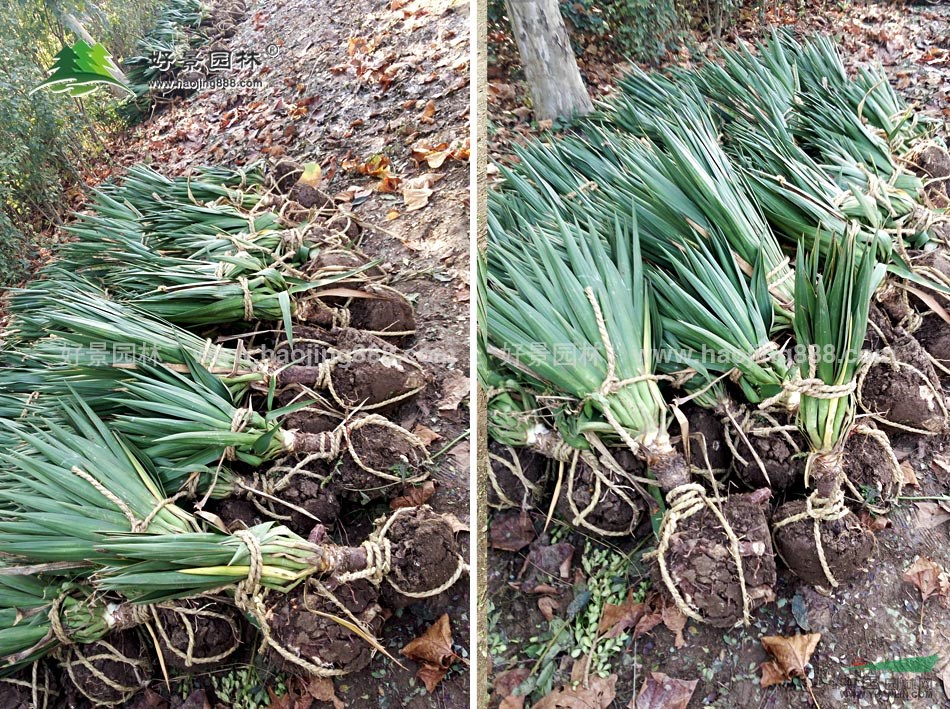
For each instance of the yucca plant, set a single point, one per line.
(868, 94)
(81, 499)
(832, 299)
(819, 538)
(717, 321)
(581, 325)
(26, 603)
(150, 193)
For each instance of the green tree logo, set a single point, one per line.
(80, 69)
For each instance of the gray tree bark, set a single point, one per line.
(547, 58)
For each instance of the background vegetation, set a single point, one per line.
(48, 139)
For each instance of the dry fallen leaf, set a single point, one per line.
(931, 515)
(548, 607)
(455, 389)
(675, 620)
(660, 691)
(617, 619)
(930, 578)
(599, 694)
(428, 113)
(425, 434)
(416, 192)
(322, 690)
(910, 477)
(511, 530)
(433, 651)
(417, 495)
(790, 655)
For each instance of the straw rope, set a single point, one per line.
(188, 655)
(513, 465)
(580, 517)
(817, 509)
(109, 654)
(683, 502)
(378, 537)
(323, 378)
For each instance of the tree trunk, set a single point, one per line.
(549, 65)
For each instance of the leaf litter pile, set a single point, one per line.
(714, 310)
(235, 425)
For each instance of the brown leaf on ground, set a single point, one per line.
(910, 477)
(433, 651)
(455, 389)
(660, 691)
(675, 621)
(790, 655)
(618, 618)
(425, 434)
(322, 690)
(931, 515)
(416, 191)
(545, 564)
(428, 113)
(599, 694)
(511, 530)
(417, 495)
(548, 607)
(929, 577)
(505, 685)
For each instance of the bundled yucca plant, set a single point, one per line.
(819, 538)
(580, 325)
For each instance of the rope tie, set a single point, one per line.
(323, 378)
(812, 386)
(513, 465)
(377, 420)
(378, 562)
(745, 429)
(188, 655)
(778, 276)
(56, 623)
(239, 422)
(818, 509)
(134, 522)
(611, 385)
(248, 301)
(897, 477)
(683, 502)
(249, 597)
(600, 481)
(379, 537)
(110, 654)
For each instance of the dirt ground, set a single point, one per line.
(873, 618)
(346, 84)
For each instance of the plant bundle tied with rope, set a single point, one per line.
(580, 323)
(819, 538)
(81, 501)
(84, 328)
(43, 614)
